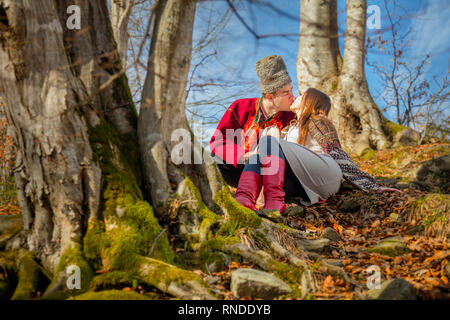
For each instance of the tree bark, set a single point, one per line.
(120, 16)
(318, 50)
(358, 119)
(162, 112)
(79, 167)
(58, 179)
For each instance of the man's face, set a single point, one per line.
(283, 98)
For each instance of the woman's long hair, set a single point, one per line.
(314, 104)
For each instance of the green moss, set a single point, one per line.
(112, 295)
(31, 276)
(390, 248)
(218, 243)
(118, 158)
(93, 243)
(395, 128)
(203, 210)
(137, 228)
(74, 256)
(114, 279)
(283, 226)
(136, 234)
(155, 272)
(367, 154)
(239, 216)
(7, 260)
(288, 273)
(210, 252)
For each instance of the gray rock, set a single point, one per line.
(334, 262)
(396, 289)
(406, 137)
(257, 284)
(319, 245)
(436, 172)
(393, 246)
(331, 234)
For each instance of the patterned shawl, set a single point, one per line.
(324, 132)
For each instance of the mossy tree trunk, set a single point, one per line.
(79, 168)
(163, 126)
(78, 174)
(358, 119)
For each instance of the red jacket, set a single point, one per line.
(228, 147)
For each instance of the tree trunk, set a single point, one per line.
(358, 119)
(162, 113)
(318, 50)
(58, 181)
(79, 165)
(120, 16)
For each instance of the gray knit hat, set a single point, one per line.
(272, 73)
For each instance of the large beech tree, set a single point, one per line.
(358, 119)
(96, 182)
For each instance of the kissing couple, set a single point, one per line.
(287, 147)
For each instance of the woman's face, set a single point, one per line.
(296, 106)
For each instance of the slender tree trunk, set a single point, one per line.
(120, 17)
(162, 112)
(358, 119)
(317, 58)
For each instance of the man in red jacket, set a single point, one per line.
(239, 129)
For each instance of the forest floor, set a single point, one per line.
(418, 218)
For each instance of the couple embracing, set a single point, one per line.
(287, 147)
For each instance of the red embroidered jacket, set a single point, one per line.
(228, 146)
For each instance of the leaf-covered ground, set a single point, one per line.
(419, 218)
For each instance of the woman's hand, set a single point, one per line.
(385, 189)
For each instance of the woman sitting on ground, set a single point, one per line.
(308, 154)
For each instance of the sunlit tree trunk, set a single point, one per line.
(163, 107)
(120, 16)
(358, 119)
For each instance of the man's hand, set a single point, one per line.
(245, 156)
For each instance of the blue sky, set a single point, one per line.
(238, 50)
